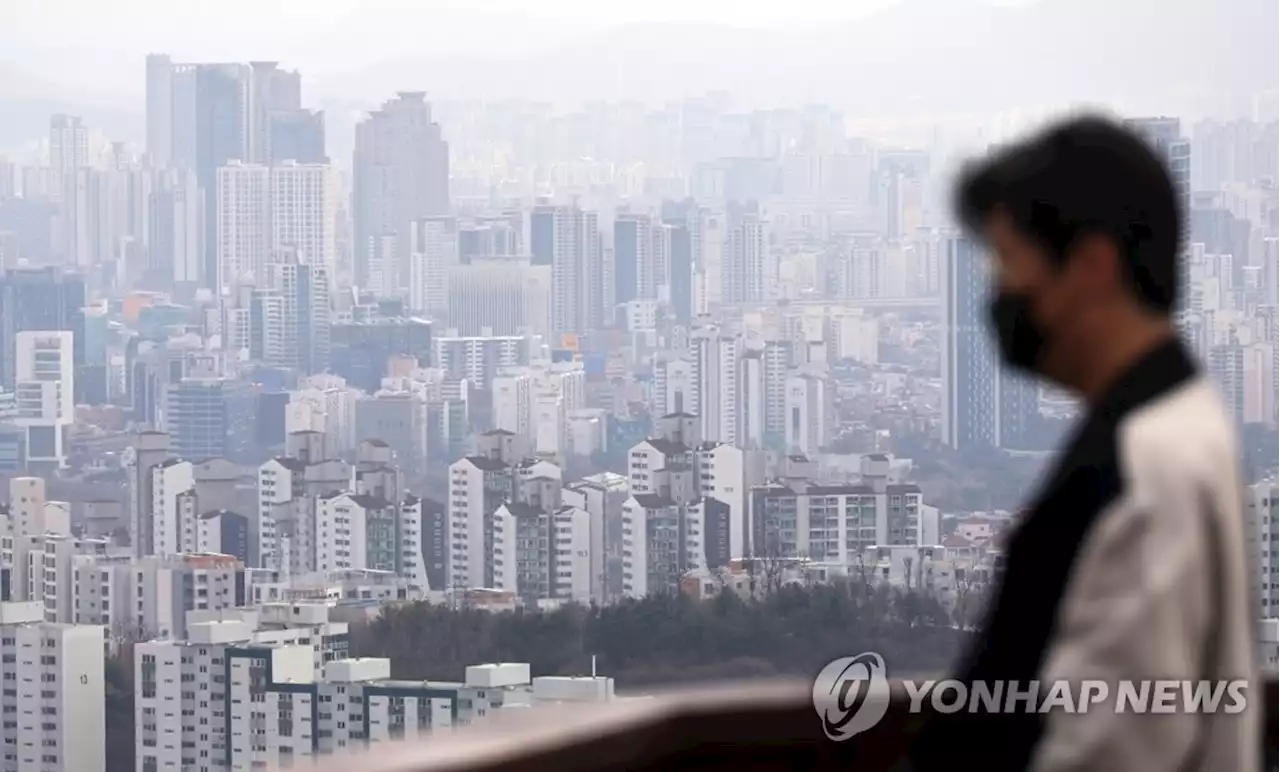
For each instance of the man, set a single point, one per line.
(1130, 563)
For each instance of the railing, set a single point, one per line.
(768, 725)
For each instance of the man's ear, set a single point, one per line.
(1096, 261)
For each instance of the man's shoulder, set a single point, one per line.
(1184, 436)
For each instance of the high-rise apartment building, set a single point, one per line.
(200, 117)
(479, 358)
(175, 230)
(1262, 509)
(1165, 135)
(433, 250)
(747, 272)
(173, 518)
(1226, 368)
(568, 239)
(492, 236)
(272, 91)
(297, 135)
(633, 259)
(401, 174)
(150, 450)
(275, 668)
(303, 212)
(244, 223)
(56, 698)
(984, 404)
(716, 358)
(68, 145)
(220, 92)
(838, 523)
(968, 354)
(685, 255)
(542, 234)
(159, 110)
(304, 311)
(262, 209)
(809, 412)
(499, 296)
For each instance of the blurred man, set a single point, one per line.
(1130, 563)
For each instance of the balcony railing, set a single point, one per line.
(766, 725)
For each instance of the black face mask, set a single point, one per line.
(1020, 339)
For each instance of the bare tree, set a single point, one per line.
(964, 610)
(772, 567)
(863, 579)
(121, 636)
(720, 576)
(750, 565)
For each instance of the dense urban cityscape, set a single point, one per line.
(507, 404)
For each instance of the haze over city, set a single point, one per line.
(393, 363)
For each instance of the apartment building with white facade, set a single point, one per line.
(673, 388)
(348, 588)
(511, 395)
(478, 485)
(1262, 514)
(365, 531)
(687, 511)
(287, 487)
(152, 596)
(548, 553)
(173, 515)
(838, 523)
(479, 358)
(535, 403)
(663, 540)
(229, 699)
(54, 700)
(715, 370)
(603, 495)
(30, 511)
(499, 296)
(808, 405)
(307, 622)
(303, 212)
(678, 466)
(433, 250)
(325, 403)
(244, 224)
(261, 209)
(199, 700)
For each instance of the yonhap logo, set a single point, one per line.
(851, 695)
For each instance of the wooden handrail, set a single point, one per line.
(718, 727)
(730, 728)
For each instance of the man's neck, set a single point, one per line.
(1121, 351)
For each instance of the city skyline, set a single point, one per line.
(638, 346)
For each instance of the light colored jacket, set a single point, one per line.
(1162, 591)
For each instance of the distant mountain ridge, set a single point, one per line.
(919, 55)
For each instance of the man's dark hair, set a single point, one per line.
(1085, 177)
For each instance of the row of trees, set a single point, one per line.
(793, 630)
(672, 639)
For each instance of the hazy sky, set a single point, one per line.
(326, 35)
